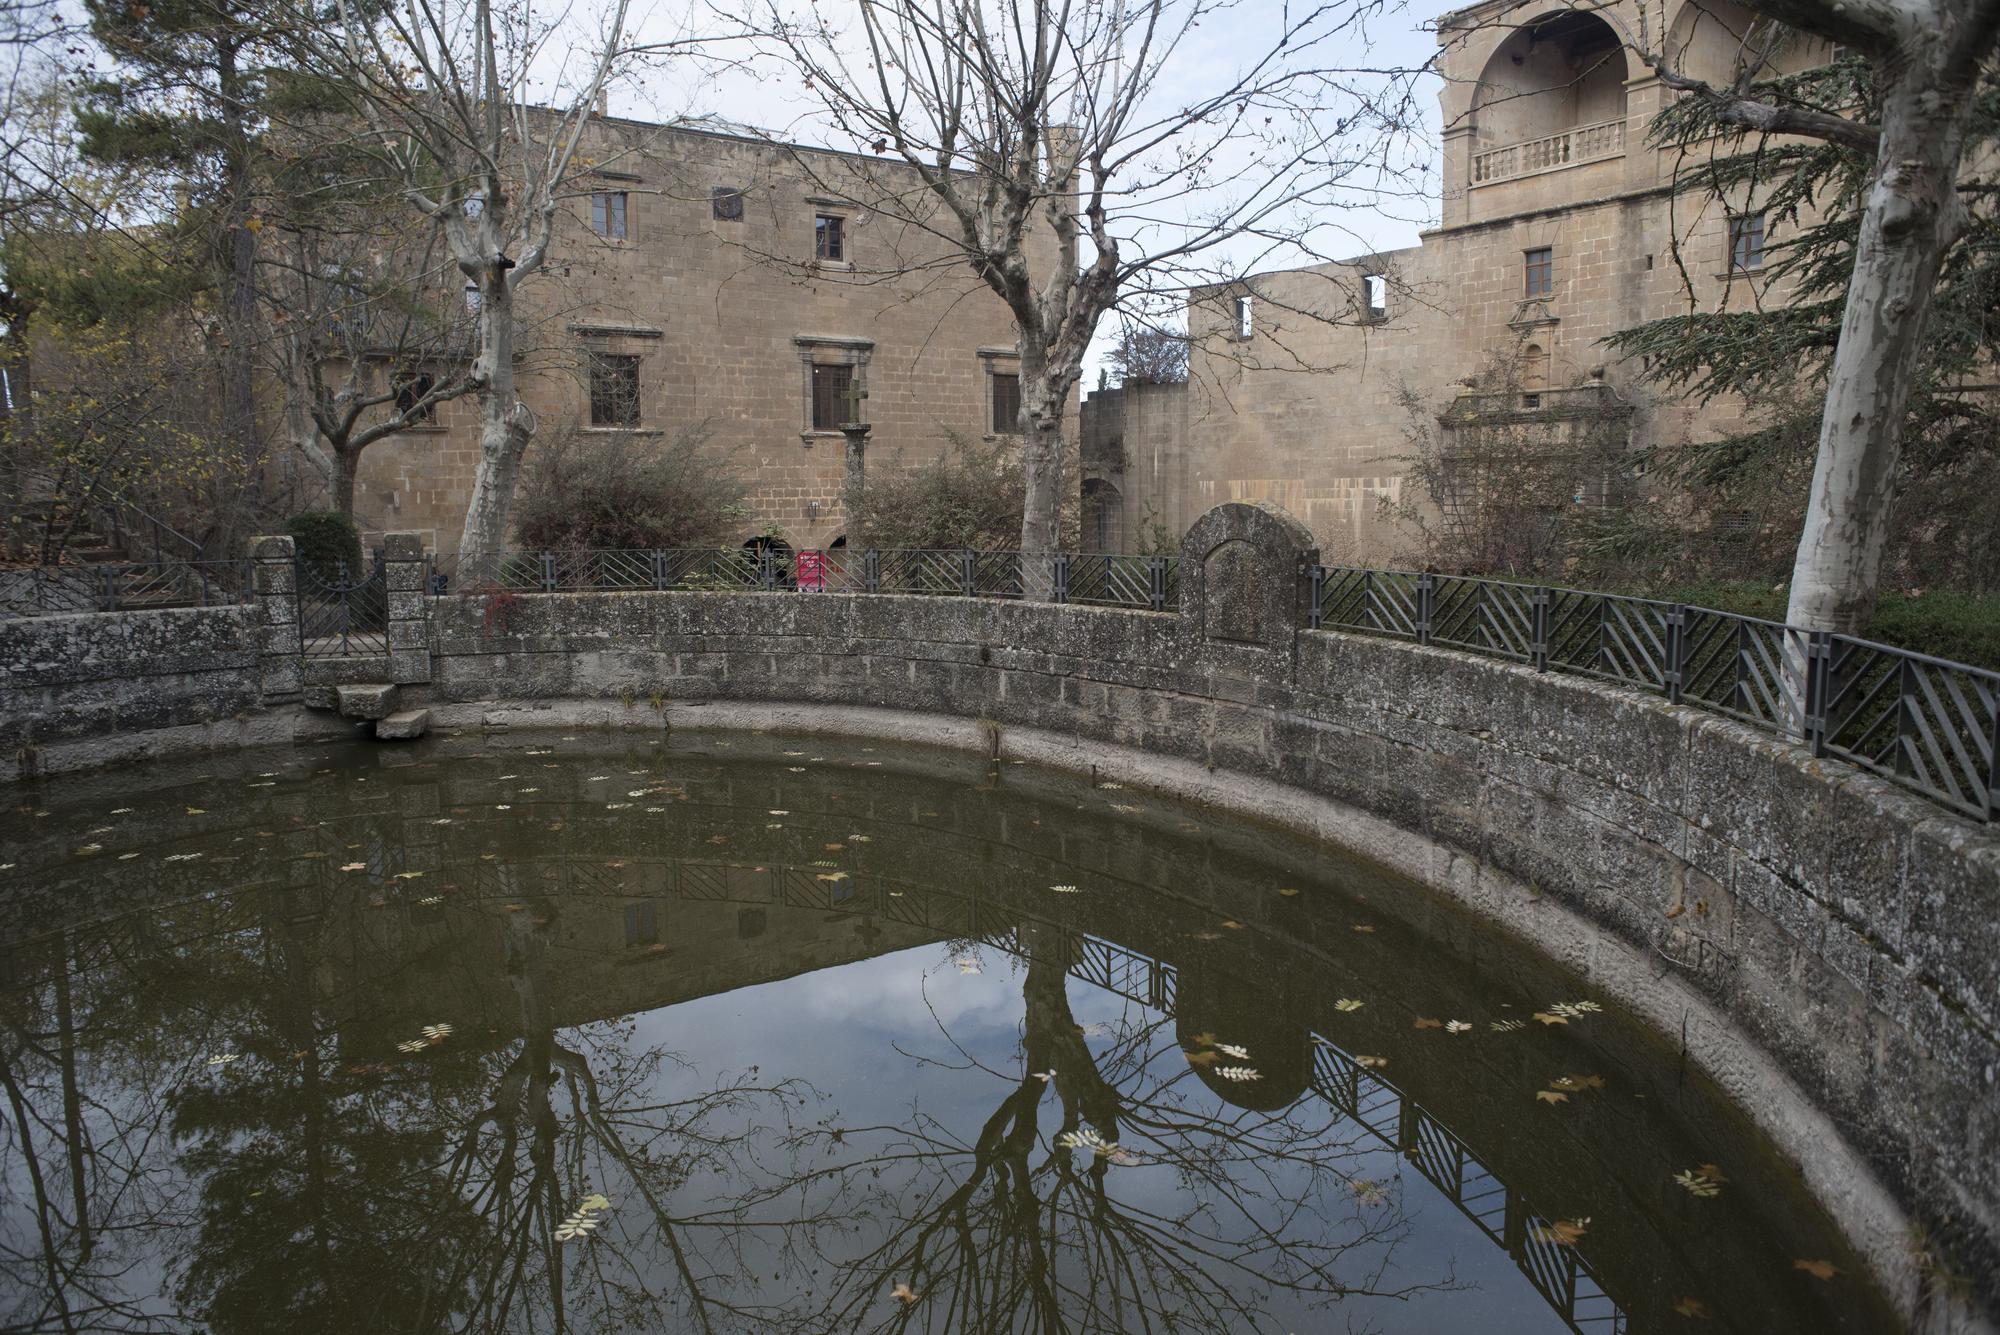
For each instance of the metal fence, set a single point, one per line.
(1928, 724)
(343, 613)
(125, 586)
(1147, 582)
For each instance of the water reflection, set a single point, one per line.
(361, 1050)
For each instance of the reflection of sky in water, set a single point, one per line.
(840, 1030)
(597, 891)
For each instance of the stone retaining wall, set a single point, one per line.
(1824, 944)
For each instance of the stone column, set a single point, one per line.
(275, 618)
(407, 574)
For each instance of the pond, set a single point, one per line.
(732, 1032)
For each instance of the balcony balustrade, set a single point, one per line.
(1573, 147)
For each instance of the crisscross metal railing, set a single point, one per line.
(343, 613)
(1928, 724)
(1099, 579)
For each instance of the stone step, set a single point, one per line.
(403, 725)
(374, 701)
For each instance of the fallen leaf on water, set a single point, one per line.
(1576, 1082)
(1817, 1269)
(437, 1033)
(408, 875)
(1241, 1054)
(197, 811)
(1504, 1026)
(1112, 786)
(1232, 924)
(1551, 1096)
(1421, 1023)
(1364, 927)
(1368, 1191)
(831, 876)
(1372, 1063)
(718, 839)
(1045, 1076)
(1200, 1058)
(967, 964)
(1571, 1010)
(1204, 1039)
(1348, 1004)
(1699, 1182)
(1693, 1307)
(412, 1045)
(224, 1058)
(903, 1293)
(1547, 1018)
(1204, 936)
(1562, 1232)
(1456, 1026)
(1289, 891)
(354, 866)
(1063, 889)
(833, 848)
(1239, 1073)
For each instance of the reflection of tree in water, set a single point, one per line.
(310, 1183)
(1015, 1230)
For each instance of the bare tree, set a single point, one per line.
(1078, 156)
(1147, 352)
(1927, 56)
(446, 94)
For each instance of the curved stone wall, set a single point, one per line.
(1823, 944)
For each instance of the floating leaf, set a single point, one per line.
(224, 1058)
(1551, 1096)
(1817, 1269)
(1372, 1063)
(428, 900)
(1456, 1026)
(1699, 1182)
(437, 1033)
(1239, 1073)
(1347, 1005)
(1200, 1058)
(1367, 1191)
(1547, 1018)
(1112, 786)
(967, 964)
(1421, 1023)
(1574, 1010)
(834, 848)
(408, 875)
(412, 1045)
(197, 811)
(1084, 1138)
(354, 866)
(1504, 1026)
(1063, 889)
(903, 1293)
(1233, 1050)
(1694, 1308)
(1289, 891)
(1204, 1039)
(1045, 1076)
(85, 850)
(1576, 1082)
(1232, 924)
(1364, 928)
(831, 876)
(1562, 1232)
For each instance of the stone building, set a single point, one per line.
(725, 283)
(1557, 228)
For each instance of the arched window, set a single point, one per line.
(1534, 375)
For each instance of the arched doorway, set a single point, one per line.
(1103, 517)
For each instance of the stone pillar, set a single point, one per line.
(854, 476)
(407, 573)
(275, 613)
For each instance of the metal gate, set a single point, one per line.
(341, 616)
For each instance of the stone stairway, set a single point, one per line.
(376, 702)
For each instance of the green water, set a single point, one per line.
(743, 1033)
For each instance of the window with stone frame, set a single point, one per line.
(1006, 403)
(410, 387)
(1539, 268)
(614, 389)
(1746, 242)
(607, 214)
(725, 203)
(830, 237)
(832, 395)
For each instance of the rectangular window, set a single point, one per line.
(1006, 403)
(832, 386)
(410, 388)
(829, 237)
(642, 924)
(1746, 241)
(614, 389)
(607, 215)
(1375, 290)
(1541, 272)
(1246, 319)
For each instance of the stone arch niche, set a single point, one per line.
(1561, 73)
(1103, 516)
(1712, 40)
(1244, 575)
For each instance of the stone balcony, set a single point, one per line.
(1573, 147)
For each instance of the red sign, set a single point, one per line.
(811, 567)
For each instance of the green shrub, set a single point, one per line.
(324, 539)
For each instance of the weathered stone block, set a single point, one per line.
(403, 725)
(374, 701)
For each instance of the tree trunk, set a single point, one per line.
(1906, 225)
(340, 486)
(1041, 459)
(505, 425)
(239, 266)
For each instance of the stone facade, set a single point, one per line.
(723, 302)
(1544, 148)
